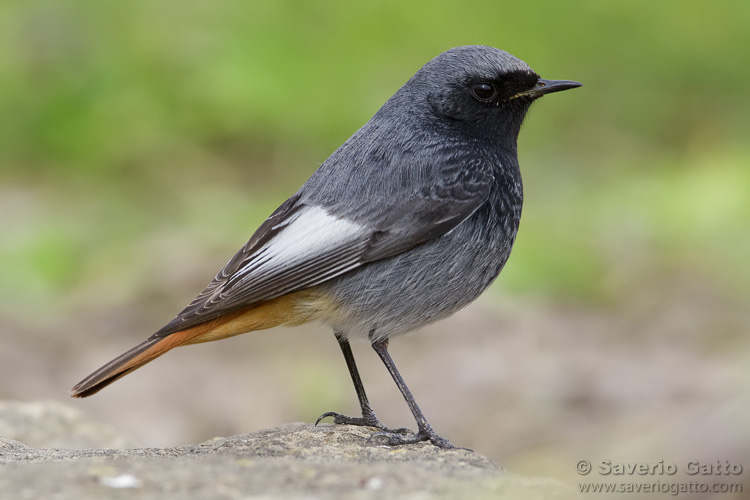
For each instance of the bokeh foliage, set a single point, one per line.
(143, 135)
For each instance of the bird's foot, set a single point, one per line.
(368, 419)
(424, 434)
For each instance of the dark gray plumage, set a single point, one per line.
(409, 220)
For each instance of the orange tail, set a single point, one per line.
(290, 309)
(120, 366)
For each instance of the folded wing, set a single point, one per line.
(302, 244)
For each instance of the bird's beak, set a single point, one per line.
(547, 87)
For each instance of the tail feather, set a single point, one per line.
(121, 366)
(149, 350)
(278, 311)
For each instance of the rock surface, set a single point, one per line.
(294, 461)
(50, 424)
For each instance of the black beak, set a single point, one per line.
(548, 86)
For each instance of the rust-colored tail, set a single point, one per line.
(291, 309)
(120, 366)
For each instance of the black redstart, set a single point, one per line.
(406, 223)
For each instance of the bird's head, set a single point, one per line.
(482, 89)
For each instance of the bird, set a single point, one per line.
(407, 222)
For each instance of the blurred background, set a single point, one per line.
(142, 142)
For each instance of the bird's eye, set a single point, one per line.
(483, 91)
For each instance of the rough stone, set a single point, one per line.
(295, 461)
(54, 425)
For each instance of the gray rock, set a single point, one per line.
(55, 425)
(296, 461)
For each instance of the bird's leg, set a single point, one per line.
(425, 431)
(368, 417)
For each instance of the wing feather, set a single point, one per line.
(313, 247)
(303, 244)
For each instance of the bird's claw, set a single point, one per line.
(396, 439)
(369, 420)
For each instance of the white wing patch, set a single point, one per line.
(311, 236)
